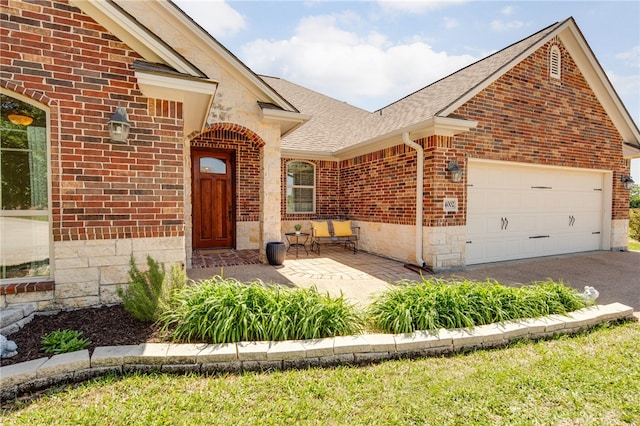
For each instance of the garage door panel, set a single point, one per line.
(518, 212)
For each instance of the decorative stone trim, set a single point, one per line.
(29, 376)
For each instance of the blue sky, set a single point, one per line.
(371, 53)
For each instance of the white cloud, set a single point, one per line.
(499, 25)
(630, 57)
(416, 6)
(508, 10)
(359, 69)
(215, 16)
(450, 23)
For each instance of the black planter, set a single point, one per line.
(276, 252)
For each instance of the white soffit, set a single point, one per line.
(629, 151)
(195, 94)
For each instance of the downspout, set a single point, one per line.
(419, 195)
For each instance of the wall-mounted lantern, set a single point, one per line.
(456, 171)
(119, 125)
(627, 181)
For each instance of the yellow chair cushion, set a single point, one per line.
(320, 229)
(342, 229)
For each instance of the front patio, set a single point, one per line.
(613, 274)
(336, 270)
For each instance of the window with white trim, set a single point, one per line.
(24, 190)
(301, 188)
(555, 63)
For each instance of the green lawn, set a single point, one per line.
(590, 379)
(634, 245)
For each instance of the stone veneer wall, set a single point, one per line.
(88, 272)
(619, 234)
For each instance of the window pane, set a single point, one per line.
(213, 165)
(24, 180)
(24, 219)
(300, 200)
(299, 173)
(24, 246)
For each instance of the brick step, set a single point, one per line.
(14, 317)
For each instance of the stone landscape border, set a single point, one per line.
(43, 373)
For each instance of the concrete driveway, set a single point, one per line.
(616, 275)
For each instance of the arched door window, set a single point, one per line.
(24, 190)
(301, 188)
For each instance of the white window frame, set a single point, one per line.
(45, 212)
(292, 187)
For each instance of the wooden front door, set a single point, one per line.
(213, 199)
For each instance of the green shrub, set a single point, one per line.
(149, 293)
(63, 341)
(221, 310)
(634, 197)
(434, 304)
(634, 224)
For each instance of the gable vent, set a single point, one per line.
(554, 62)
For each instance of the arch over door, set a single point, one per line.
(213, 199)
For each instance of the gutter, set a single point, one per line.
(419, 195)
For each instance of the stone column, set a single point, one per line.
(271, 195)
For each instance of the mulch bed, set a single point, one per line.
(104, 326)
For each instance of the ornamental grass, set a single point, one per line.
(434, 304)
(222, 310)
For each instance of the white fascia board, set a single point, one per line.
(196, 95)
(288, 120)
(629, 151)
(297, 154)
(441, 126)
(174, 88)
(600, 84)
(133, 34)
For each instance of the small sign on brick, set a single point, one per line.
(450, 205)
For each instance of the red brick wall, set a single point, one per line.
(246, 146)
(527, 116)
(53, 53)
(380, 186)
(327, 192)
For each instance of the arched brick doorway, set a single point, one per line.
(225, 187)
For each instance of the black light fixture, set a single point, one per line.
(627, 181)
(456, 171)
(119, 125)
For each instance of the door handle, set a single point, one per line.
(230, 211)
(505, 223)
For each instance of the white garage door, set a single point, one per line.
(517, 212)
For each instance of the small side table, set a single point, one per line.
(296, 240)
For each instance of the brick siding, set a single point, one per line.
(53, 53)
(527, 116)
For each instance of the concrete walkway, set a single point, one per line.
(616, 275)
